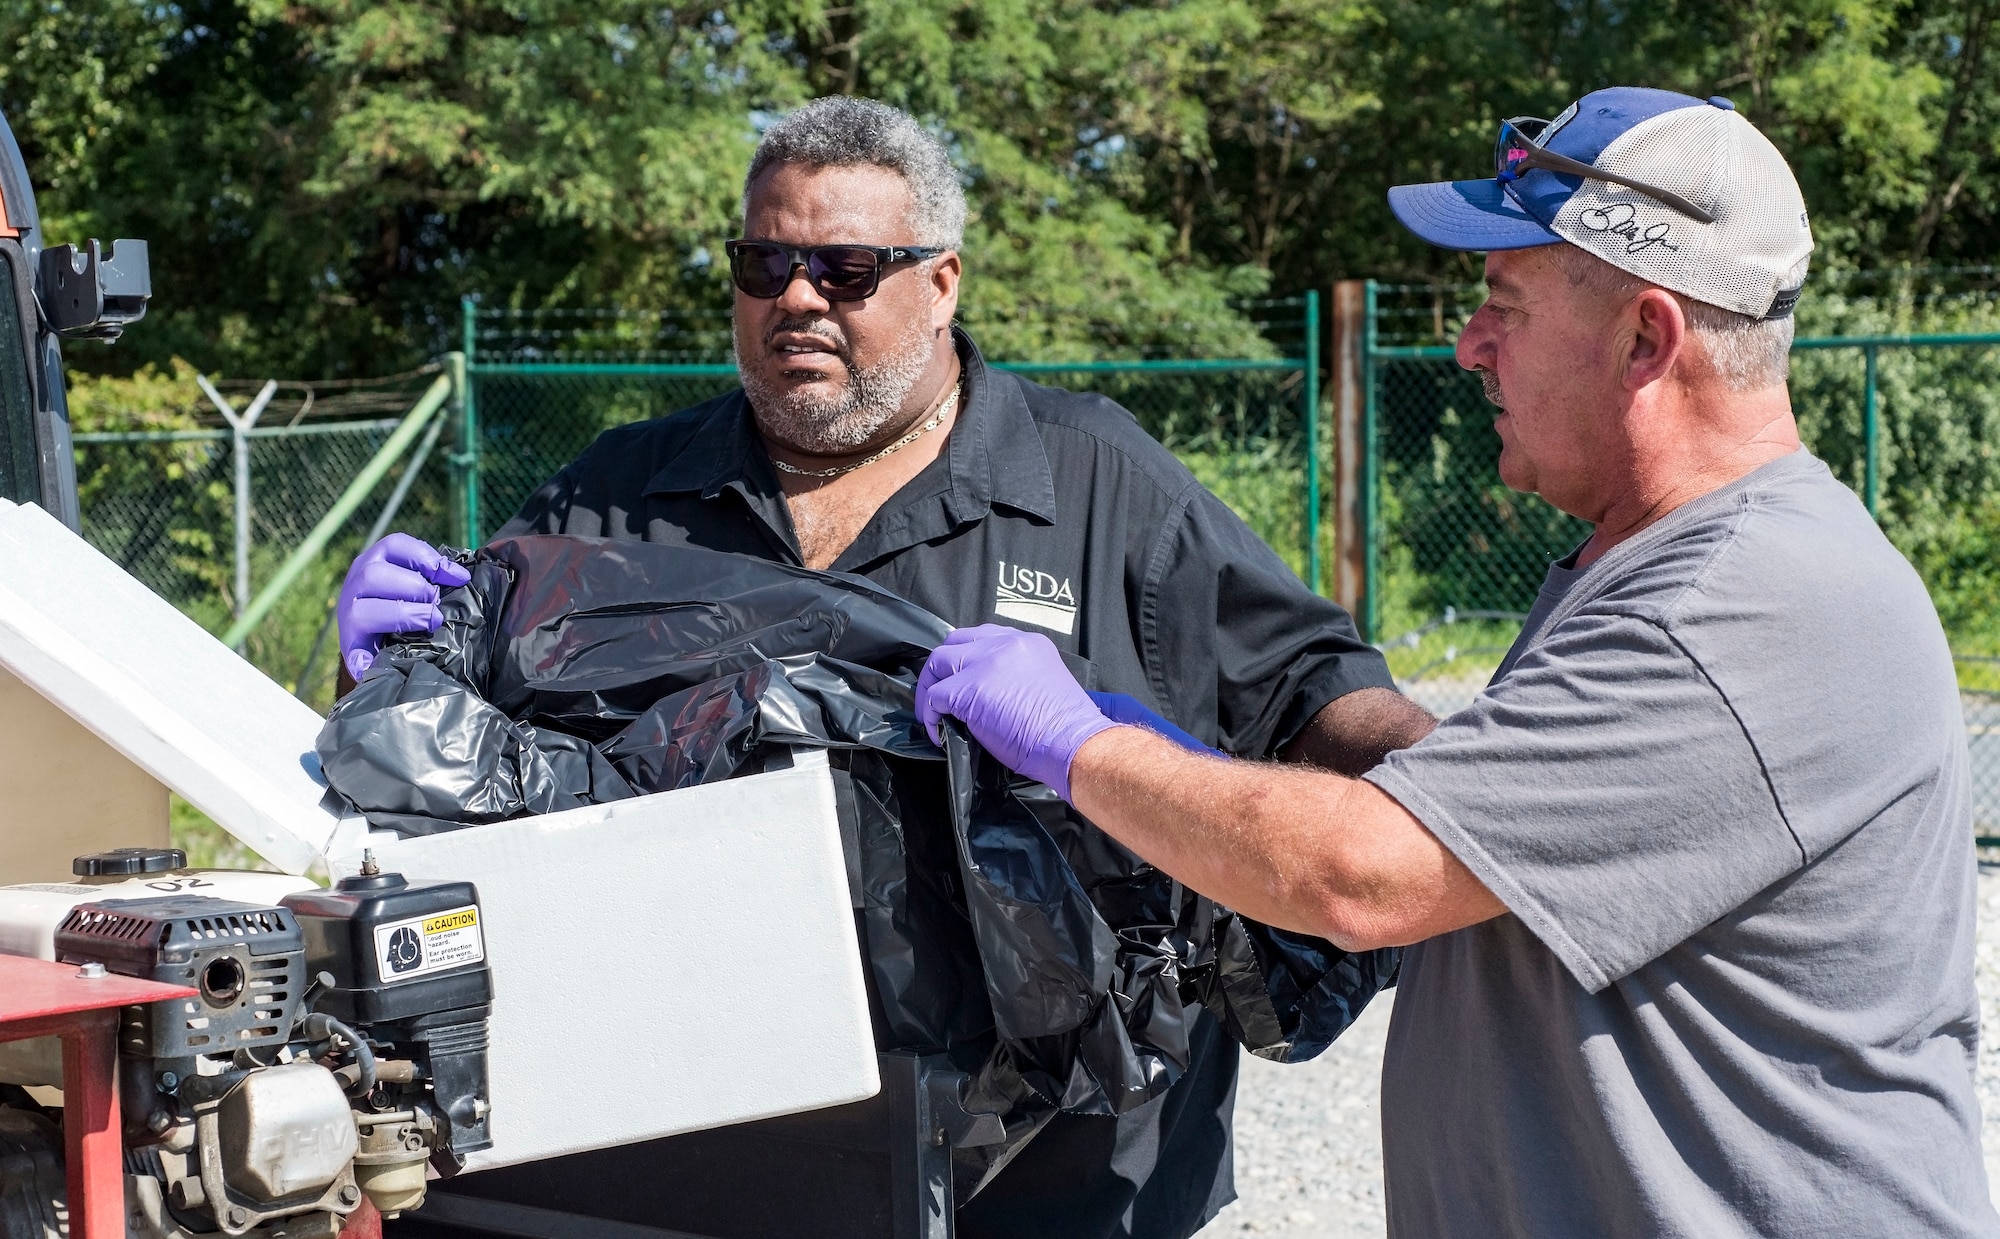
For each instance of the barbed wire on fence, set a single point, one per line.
(1259, 327)
(300, 400)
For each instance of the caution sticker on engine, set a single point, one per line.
(426, 944)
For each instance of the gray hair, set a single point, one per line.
(841, 131)
(1747, 354)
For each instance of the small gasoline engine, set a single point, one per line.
(336, 1046)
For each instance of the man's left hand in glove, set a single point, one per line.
(1013, 693)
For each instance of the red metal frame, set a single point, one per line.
(41, 999)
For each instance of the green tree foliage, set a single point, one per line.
(166, 498)
(1293, 131)
(322, 179)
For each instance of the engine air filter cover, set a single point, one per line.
(247, 961)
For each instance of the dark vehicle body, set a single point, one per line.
(50, 292)
(36, 464)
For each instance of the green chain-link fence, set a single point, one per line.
(1910, 418)
(1896, 383)
(161, 504)
(544, 383)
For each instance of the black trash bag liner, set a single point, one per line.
(1053, 966)
(425, 753)
(1286, 996)
(711, 731)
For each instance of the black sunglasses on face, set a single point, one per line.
(764, 269)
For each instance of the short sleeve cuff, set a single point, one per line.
(1326, 684)
(1588, 972)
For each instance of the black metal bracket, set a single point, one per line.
(88, 295)
(952, 1123)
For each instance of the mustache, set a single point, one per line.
(1489, 382)
(824, 330)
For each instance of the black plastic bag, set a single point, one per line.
(1052, 965)
(425, 753)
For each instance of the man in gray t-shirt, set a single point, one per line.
(1689, 890)
(1737, 968)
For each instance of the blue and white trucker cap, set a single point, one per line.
(1751, 259)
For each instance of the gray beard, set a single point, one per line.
(834, 424)
(1490, 383)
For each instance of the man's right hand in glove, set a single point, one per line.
(392, 587)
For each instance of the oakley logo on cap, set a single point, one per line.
(1556, 125)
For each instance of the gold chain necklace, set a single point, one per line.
(935, 420)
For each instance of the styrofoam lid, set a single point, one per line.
(160, 689)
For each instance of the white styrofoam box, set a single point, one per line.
(161, 690)
(662, 964)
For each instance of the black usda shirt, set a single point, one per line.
(1054, 512)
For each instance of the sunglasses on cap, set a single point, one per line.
(763, 269)
(1518, 148)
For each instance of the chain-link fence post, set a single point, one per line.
(465, 460)
(1310, 394)
(1350, 450)
(458, 369)
(1871, 436)
(1371, 474)
(240, 425)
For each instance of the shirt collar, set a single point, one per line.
(993, 455)
(724, 448)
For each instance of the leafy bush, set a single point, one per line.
(161, 509)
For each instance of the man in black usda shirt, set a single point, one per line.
(869, 437)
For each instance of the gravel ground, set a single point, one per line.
(1308, 1138)
(1309, 1142)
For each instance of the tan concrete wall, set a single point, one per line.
(64, 792)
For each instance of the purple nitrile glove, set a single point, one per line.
(392, 587)
(1014, 695)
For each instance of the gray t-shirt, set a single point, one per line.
(1720, 784)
